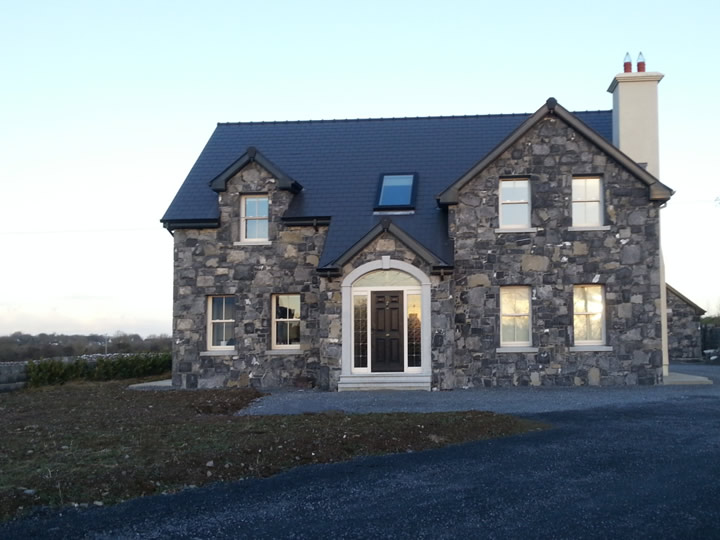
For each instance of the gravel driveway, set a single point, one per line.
(625, 463)
(524, 400)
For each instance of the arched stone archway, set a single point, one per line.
(366, 362)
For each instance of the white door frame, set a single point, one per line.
(386, 263)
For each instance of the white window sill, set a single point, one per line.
(219, 352)
(518, 230)
(247, 243)
(593, 228)
(516, 350)
(284, 352)
(591, 348)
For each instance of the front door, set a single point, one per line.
(387, 331)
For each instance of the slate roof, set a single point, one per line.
(339, 164)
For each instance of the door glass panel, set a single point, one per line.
(413, 329)
(360, 331)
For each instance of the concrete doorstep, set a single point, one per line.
(681, 378)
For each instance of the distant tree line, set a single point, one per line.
(18, 346)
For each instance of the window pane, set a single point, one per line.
(217, 308)
(413, 329)
(586, 214)
(256, 207)
(592, 214)
(261, 206)
(261, 228)
(515, 215)
(580, 328)
(281, 333)
(360, 331)
(507, 330)
(514, 190)
(579, 302)
(592, 189)
(229, 312)
(578, 214)
(594, 299)
(287, 306)
(594, 327)
(293, 333)
(229, 335)
(578, 189)
(251, 231)
(217, 334)
(250, 207)
(396, 190)
(522, 329)
(515, 300)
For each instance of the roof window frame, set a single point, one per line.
(413, 192)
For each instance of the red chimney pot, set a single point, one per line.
(627, 63)
(641, 63)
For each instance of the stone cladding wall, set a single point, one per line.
(465, 306)
(684, 335)
(209, 262)
(625, 260)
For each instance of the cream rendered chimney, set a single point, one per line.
(635, 132)
(635, 115)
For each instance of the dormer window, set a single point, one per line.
(254, 217)
(397, 192)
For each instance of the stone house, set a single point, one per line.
(425, 253)
(684, 335)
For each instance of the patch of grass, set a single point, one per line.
(100, 443)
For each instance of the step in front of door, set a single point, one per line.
(385, 381)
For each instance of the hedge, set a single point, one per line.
(46, 372)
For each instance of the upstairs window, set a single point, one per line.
(514, 204)
(254, 218)
(396, 191)
(587, 204)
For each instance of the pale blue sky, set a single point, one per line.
(104, 107)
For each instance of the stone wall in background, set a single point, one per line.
(684, 337)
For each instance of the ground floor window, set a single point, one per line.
(515, 316)
(286, 321)
(221, 322)
(589, 315)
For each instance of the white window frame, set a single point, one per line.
(502, 203)
(366, 292)
(602, 341)
(211, 321)
(528, 315)
(282, 346)
(600, 221)
(244, 219)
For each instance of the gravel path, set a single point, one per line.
(525, 400)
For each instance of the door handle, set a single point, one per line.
(387, 335)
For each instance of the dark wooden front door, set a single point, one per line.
(387, 331)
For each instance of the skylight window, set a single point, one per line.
(396, 191)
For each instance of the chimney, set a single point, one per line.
(635, 113)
